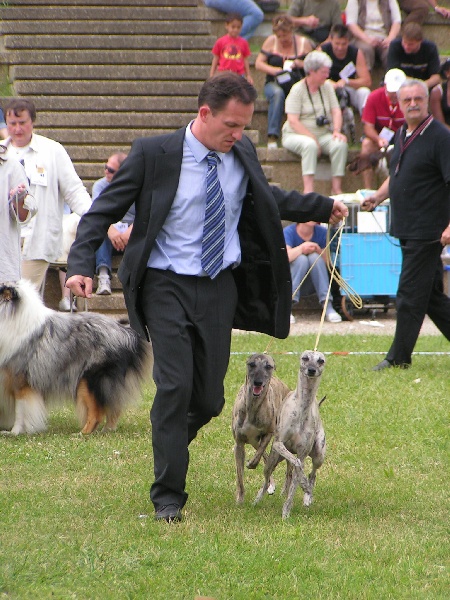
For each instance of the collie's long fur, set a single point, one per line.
(47, 356)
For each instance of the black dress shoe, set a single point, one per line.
(384, 364)
(170, 513)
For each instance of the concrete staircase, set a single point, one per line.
(101, 74)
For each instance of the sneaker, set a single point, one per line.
(272, 143)
(332, 316)
(64, 304)
(104, 286)
(292, 320)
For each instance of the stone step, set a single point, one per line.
(111, 136)
(113, 103)
(126, 3)
(111, 72)
(115, 43)
(115, 303)
(104, 27)
(103, 12)
(91, 88)
(119, 120)
(98, 136)
(103, 57)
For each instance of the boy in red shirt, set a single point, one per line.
(231, 51)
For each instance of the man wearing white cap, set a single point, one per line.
(381, 117)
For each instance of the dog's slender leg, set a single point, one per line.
(318, 456)
(272, 461)
(288, 478)
(252, 464)
(281, 449)
(296, 478)
(87, 405)
(272, 487)
(239, 455)
(30, 412)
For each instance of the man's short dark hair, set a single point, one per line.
(412, 31)
(218, 90)
(18, 105)
(340, 30)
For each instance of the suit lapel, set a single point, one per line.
(166, 178)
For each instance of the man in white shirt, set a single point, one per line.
(52, 181)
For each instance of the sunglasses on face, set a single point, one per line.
(108, 168)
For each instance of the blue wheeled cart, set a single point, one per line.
(369, 260)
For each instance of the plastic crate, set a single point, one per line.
(370, 263)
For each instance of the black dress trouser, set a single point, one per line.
(420, 292)
(190, 321)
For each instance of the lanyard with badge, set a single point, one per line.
(405, 143)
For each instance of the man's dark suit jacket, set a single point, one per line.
(149, 178)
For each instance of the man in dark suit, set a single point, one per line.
(187, 314)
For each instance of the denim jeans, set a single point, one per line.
(251, 12)
(275, 95)
(103, 256)
(317, 281)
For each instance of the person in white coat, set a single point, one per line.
(53, 181)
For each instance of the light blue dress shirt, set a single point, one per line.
(178, 246)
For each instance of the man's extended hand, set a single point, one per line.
(339, 211)
(80, 286)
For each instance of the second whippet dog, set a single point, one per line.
(299, 433)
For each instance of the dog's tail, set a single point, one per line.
(116, 380)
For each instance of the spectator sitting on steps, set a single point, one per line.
(417, 10)
(304, 243)
(349, 74)
(416, 57)
(440, 96)
(314, 123)
(314, 18)
(374, 24)
(381, 118)
(281, 59)
(118, 234)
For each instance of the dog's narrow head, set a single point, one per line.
(312, 363)
(260, 368)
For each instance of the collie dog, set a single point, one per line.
(47, 356)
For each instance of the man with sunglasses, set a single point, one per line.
(418, 188)
(118, 233)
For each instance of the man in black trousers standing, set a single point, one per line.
(206, 254)
(419, 192)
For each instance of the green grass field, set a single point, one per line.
(76, 521)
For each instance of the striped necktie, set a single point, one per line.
(214, 227)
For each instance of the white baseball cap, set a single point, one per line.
(394, 79)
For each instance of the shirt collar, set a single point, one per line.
(199, 150)
(32, 145)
